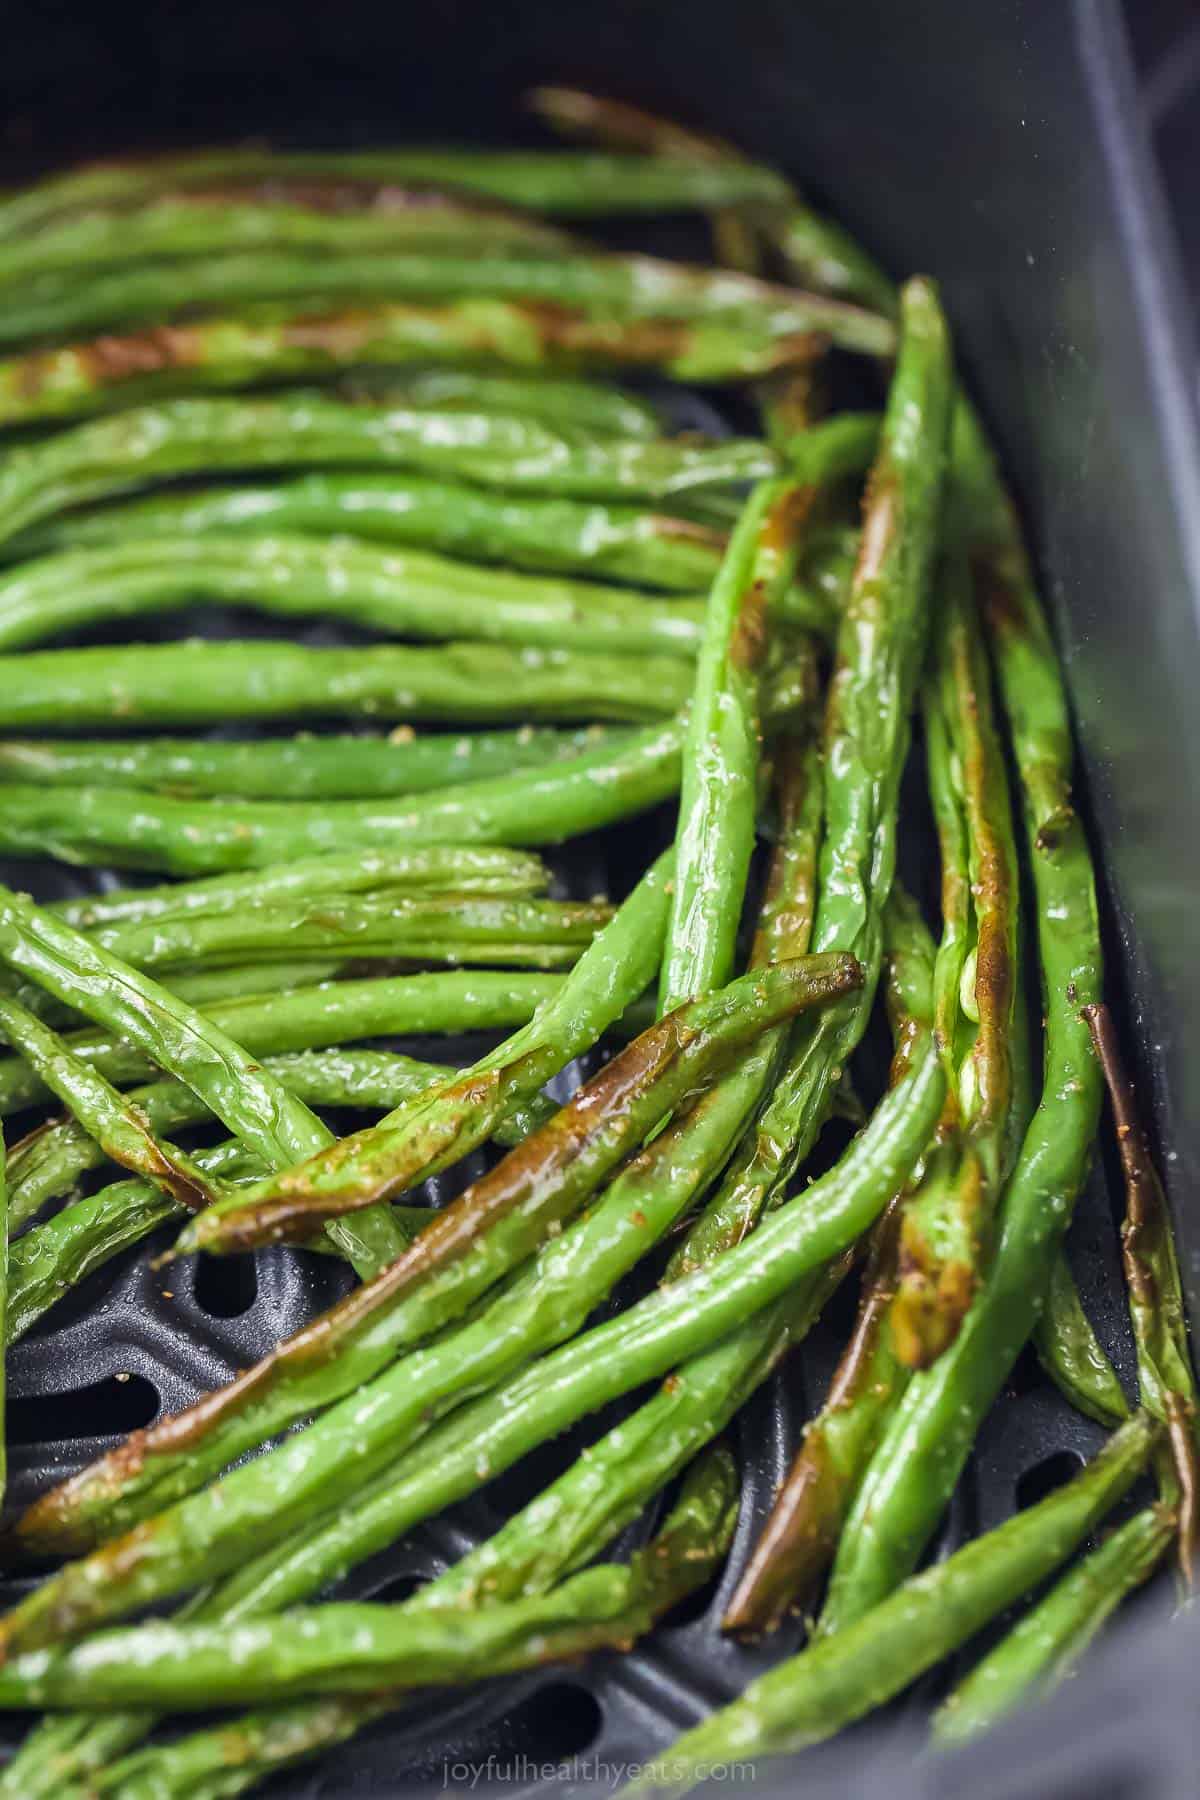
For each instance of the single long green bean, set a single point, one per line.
(880, 648)
(418, 927)
(1044, 1647)
(487, 1435)
(567, 185)
(202, 435)
(715, 834)
(351, 218)
(922, 1453)
(460, 868)
(98, 374)
(1156, 1304)
(592, 406)
(409, 594)
(603, 288)
(319, 1017)
(837, 1680)
(301, 768)
(570, 537)
(212, 681)
(947, 1226)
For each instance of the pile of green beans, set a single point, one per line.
(509, 609)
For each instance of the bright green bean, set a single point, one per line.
(569, 537)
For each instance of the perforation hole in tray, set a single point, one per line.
(225, 1287)
(1053, 1472)
(105, 1408)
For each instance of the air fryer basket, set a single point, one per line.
(998, 147)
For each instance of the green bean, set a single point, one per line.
(1156, 1304)
(303, 767)
(443, 1124)
(420, 927)
(487, 1435)
(107, 826)
(564, 185)
(569, 537)
(719, 778)
(209, 682)
(352, 217)
(593, 406)
(715, 833)
(100, 373)
(784, 929)
(880, 648)
(203, 435)
(327, 1014)
(120, 1130)
(604, 289)
(1071, 1353)
(460, 868)
(1045, 1646)
(411, 594)
(838, 1679)
(919, 1459)
(946, 1230)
